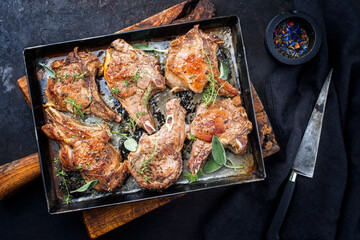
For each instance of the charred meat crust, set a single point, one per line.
(133, 78)
(157, 162)
(86, 149)
(75, 81)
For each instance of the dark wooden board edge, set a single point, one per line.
(102, 220)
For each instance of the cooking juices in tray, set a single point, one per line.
(248, 166)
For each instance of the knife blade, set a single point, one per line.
(305, 159)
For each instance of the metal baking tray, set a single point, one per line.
(227, 27)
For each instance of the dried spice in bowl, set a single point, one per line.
(290, 39)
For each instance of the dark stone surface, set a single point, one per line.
(30, 23)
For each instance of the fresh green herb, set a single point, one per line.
(136, 77)
(127, 83)
(66, 75)
(233, 165)
(116, 90)
(192, 177)
(119, 133)
(130, 143)
(218, 158)
(48, 70)
(146, 96)
(56, 160)
(138, 114)
(218, 151)
(146, 178)
(192, 139)
(110, 97)
(211, 166)
(62, 174)
(75, 108)
(78, 167)
(211, 92)
(152, 155)
(79, 76)
(224, 70)
(148, 48)
(85, 187)
(131, 123)
(58, 77)
(133, 79)
(143, 167)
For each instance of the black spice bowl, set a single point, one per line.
(305, 22)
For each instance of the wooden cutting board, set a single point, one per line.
(102, 220)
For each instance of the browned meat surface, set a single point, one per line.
(86, 149)
(227, 120)
(157, 162)
(133, 77)
(74, 89)
(192, 61)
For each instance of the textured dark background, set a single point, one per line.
(30, 23)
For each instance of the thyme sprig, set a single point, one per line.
(75, 108)
(62, 174)
(79, 76)
(211, 93)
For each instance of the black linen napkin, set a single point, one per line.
(327, 206)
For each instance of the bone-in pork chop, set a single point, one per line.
(157, 162)
(86, 149)
(227, 120)
(191, 63)
(133, 78)
(74, 88)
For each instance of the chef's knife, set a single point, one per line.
(304, 163)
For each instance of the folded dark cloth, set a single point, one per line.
(328, 205)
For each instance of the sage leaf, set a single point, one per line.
(148, 48)
(143, 47)
(130, 144)
(48, 70)
(218, 151)
(85, 187)
(224, 70)
(211, 166)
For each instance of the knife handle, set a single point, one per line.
(18, 173)
(273, 232)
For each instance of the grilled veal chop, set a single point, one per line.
(86, 149)
(133, 78)
(74, 88)
(157, 162)
(227, 120)
(191, 63)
